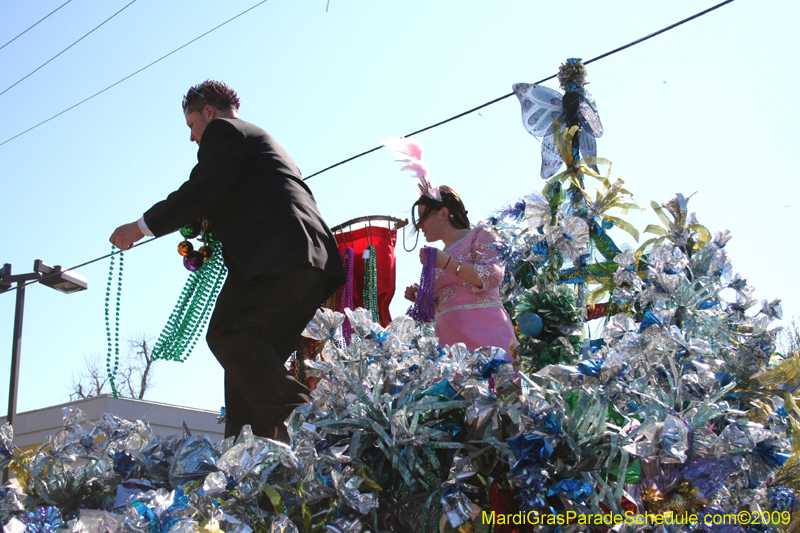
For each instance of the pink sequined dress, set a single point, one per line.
(466, 313)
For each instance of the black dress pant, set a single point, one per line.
(255, 327)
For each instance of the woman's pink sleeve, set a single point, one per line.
(487, 264)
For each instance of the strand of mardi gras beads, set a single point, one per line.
(423, 308)
(347, 292)
(112, 372)
(191, 313)
(371, 283)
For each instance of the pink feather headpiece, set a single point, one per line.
(409, 151)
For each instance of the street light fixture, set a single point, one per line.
(65, 281)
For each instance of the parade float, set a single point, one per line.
(676, 408)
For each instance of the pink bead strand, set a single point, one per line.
(347, 292)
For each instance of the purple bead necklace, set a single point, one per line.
(423, 308)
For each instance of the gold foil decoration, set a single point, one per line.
(678, 501)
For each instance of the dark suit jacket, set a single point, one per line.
(251, 191)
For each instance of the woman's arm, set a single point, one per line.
(466, 271)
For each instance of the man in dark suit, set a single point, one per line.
(282, 258)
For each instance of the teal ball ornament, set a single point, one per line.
(530, 324)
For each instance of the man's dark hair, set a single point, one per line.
(450, 199)
(210, 92)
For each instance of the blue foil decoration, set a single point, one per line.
(380, 338)
(783, 499)
(551, 422)
(710, 474)
(123, 463)
(532, 492)
(576, 488)
(44, 520)
(515, 211)
(530, 451)
(649, 319)
(590, 367)
(540, 248)
(596, 344)
(179, 502)
(443, 389)
(771, 455)
(147, 514)
(491, 367)
(168, 524)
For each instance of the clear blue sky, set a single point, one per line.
(706, 108)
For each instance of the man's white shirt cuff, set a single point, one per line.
(144, 228)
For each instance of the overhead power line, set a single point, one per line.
(31, 27)
(487, 104)
(133, 74)
(642, 39)
(64, 50)
(601, 56)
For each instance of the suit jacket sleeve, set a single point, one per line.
(221, 158)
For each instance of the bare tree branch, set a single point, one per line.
(134, 376)
(145, 367)
(789, 338)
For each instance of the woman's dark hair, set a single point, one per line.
(450, 199)
(210, 92)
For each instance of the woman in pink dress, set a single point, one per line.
(468, 275)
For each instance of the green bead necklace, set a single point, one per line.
(112, 372)
(191, 313)
(371, 283)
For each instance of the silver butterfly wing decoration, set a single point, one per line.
(540, 106)
(551, 159)
(588, 146)
(589, 119)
